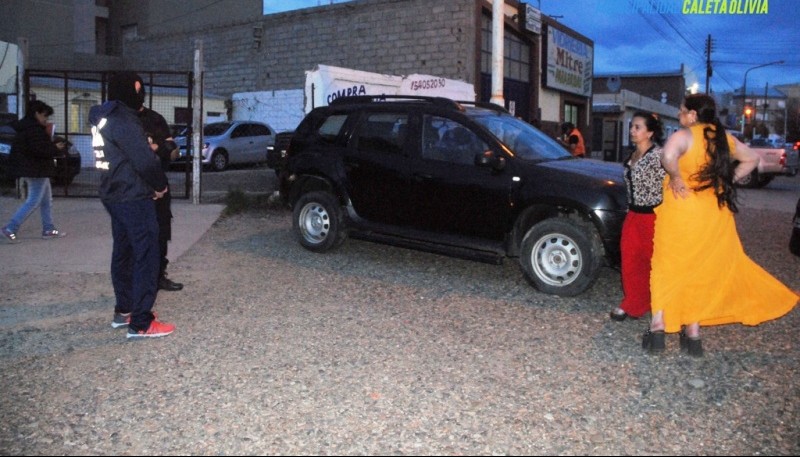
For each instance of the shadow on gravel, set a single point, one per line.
(45, 330)
(439, 276)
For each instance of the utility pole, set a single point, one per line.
(498, 37)
(709, 71)
(197, 119)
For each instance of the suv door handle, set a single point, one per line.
(422, 176)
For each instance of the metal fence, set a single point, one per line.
(73, 93)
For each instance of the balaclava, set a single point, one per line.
(122, 87)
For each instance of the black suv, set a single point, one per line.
(462, 179)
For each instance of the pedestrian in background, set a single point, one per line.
(572, 139)
(700, 272)
(32, 158)
(644, 177)
(131, 180)
(163, 145)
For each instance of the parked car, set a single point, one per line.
(67, 167)
(466, 180)
(234, 142)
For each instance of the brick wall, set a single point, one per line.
(273, 52)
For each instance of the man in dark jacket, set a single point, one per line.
(163, 145)
(132, 180)
(32, 159)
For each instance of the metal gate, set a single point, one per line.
(73, 93)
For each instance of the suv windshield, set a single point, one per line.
(525, 141)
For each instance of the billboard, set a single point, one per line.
(569, 63)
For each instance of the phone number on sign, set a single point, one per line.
(428, 84)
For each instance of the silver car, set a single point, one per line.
(234, 142)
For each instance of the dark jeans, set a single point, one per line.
(135, 259)
(164, 217)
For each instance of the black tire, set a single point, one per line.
(763, 181)
(318, 222)
(750, 181)
(561, 256)
(219, 160)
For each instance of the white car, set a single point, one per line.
(234, 142)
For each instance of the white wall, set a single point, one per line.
(281, 109)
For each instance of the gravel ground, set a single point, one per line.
(375, 350)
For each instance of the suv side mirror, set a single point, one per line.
(488, 159)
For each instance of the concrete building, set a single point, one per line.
(81, 35)
(548, 67)
(618, 96)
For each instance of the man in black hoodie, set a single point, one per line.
(32, 155)
(132, 180)
(164, 147)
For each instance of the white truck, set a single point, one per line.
(775, 161)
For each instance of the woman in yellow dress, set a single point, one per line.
(700, 274)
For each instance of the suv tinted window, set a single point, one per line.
(384, 132)
(329, 129)
(449, 141)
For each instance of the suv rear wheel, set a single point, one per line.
(561, 256)
(318, 220)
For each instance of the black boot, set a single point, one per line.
(654, 341)
(165, 284)
(692, 346)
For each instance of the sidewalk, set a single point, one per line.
(87, 246)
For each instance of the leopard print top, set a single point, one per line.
(644, 181)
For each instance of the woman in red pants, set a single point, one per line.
(644, 177)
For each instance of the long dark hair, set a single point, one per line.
(653, 124)
(717, 174)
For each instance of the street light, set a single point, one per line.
(744, 86)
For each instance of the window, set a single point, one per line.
(571, 114)
(516, 53)
(102, 40)
(259, 130)
(79, 115)
(241, 131)
(383, 132)
(448, 141)
(329, 129)
(130, 32)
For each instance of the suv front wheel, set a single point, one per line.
(318, 221)
(561, 256)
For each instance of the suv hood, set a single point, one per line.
(603, 179)
(591, 168)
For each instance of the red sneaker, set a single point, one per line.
(156, 330)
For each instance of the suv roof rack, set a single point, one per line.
(487, 105)
(359, 99)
